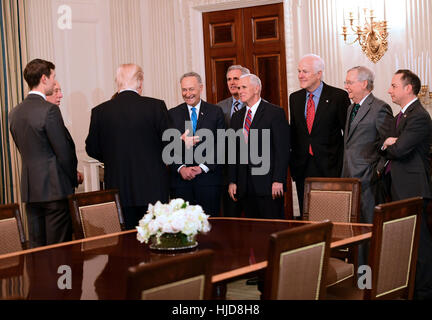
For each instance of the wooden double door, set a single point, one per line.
(254, 38)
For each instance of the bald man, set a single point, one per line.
(126, 135)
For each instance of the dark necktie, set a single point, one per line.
(354, 112)
(236, 106)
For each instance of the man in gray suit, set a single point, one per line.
(368, 122)
(229, 106)
(233, 103)
(49, 163)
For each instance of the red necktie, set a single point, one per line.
(310, 116)
(247, 124)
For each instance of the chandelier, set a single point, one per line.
(371, 35)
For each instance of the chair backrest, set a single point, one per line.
(183, 277)
(12, 236)
(297, 263)
(96, 213)
(393, 251)
(335, 199)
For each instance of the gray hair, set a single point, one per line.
(253, 79)
(318, 62)
(238, 67)
(365, 74)
(191, 74)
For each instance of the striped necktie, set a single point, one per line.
(310, 116)
(236, 106)
(247, 124)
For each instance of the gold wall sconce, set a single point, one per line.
(425, 97)
(371, 35)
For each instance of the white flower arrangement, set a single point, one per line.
(177, 216)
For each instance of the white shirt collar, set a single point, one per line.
(128, 89)
(197, 107)
(38, 93)
(408, 104)
(363, 100)
(253, 108)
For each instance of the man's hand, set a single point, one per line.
(232, 190)
(80, 177)
(189, 141)
(196, 170)
(277, 190)
(388, 142)
(187, 173)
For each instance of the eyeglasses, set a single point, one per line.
(349, 83)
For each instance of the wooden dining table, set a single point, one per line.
(96, 268)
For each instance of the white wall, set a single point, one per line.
(166, 38)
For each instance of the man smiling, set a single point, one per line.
(198, 183)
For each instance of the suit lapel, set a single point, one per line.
(406, 114)
(300, 109)
(322, 105)
(364, 109)
(258, 115)
(203, 113)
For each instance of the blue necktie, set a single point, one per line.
(194, 119)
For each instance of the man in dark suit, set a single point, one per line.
(317, 117)
(408, 171)
(126, 135)
(49, 163)
(229, 106)
(368, 123)
(195, 181)
(265, 131)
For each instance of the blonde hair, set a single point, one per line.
(129, 76)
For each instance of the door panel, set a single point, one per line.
(253, 37)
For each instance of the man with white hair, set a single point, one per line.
(260, 195)
(126, 135)
(317, 117)
(367, 125)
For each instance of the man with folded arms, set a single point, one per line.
(407, 173)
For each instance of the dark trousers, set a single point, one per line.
(48, 222)
(263, 207)
(230, 208)
(208, 197)
(132, 216)
(312, 170)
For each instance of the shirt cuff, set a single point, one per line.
(183, 165)
(204, 167)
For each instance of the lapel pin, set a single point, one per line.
(201, 113)
(327, 101)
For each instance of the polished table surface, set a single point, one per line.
(99, 265)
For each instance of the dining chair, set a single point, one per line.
(183, 277)
(338, 200)
(12, 237)
(297, 263)
(96, 213)
(392, 255)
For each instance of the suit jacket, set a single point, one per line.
(49, 162)
(211, 117)
(271, 117)
(410, 160)
(126, 135)
(362, 142)
(326, 137)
